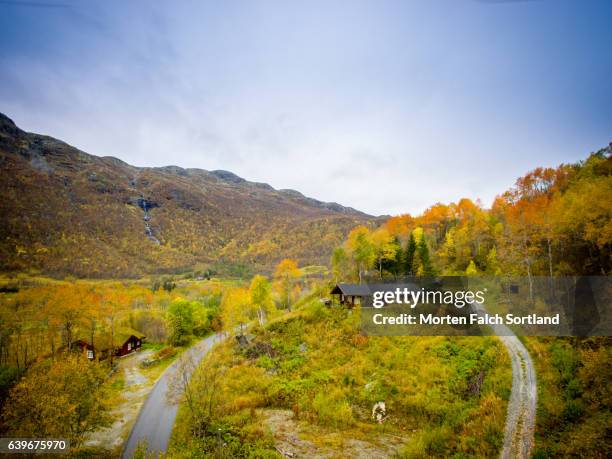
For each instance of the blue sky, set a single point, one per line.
(386, 106)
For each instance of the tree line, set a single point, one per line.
(552, 222)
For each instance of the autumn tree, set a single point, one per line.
(235, 309)
(261, 297)
(361, 249)
(58, 399)
(385, 248)
(340, 263)
(471, 270)
(199, 386)
(393, 264)
(66, 309)
(286, 277)
(113, 308)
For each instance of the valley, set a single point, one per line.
(99, 255)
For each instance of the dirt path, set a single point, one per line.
(520, 419)
(291, 440)
(136, 386)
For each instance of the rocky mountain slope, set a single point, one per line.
(64, 211)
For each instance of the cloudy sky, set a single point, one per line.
(386, 106)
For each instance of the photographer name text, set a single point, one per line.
(471, 319)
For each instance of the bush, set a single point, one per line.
(332, 409)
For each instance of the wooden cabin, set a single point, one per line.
(361, 294)
(350, 294)
(125, 342)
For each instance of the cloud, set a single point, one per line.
(384, 108)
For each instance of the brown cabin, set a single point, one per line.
(351, 294)
(125, 342)
(129, 344)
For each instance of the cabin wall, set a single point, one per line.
(131, 345)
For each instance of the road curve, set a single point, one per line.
(156, 418)
(520, 419)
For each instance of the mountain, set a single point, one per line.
(64, 211)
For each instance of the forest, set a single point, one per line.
(552, 222)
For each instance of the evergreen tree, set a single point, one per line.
(421, 265)
(408, 259)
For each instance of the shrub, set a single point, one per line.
(332, 409)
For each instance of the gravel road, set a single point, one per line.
(156, 418)
(520, 419)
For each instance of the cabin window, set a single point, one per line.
(129, 346)
(90, 354)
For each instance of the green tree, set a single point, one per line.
(408, 258)
(180, 321)
(421, 264)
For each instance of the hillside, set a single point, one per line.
(68, 212)
(306, 385)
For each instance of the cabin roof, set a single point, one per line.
(351, 289)
(367, 289)
(102, 339)
(124, 333)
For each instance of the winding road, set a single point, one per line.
(156, 418)
(520, 419)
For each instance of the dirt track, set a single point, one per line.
(520, 419)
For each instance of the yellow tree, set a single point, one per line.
(261, 297)
(235, 306)
(361, 249)
(58, 399)
(66, 311)
(340, 263)
(384, 247)
(286, 276)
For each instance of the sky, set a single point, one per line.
(385, 106)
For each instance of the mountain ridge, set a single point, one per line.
(60, 200)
